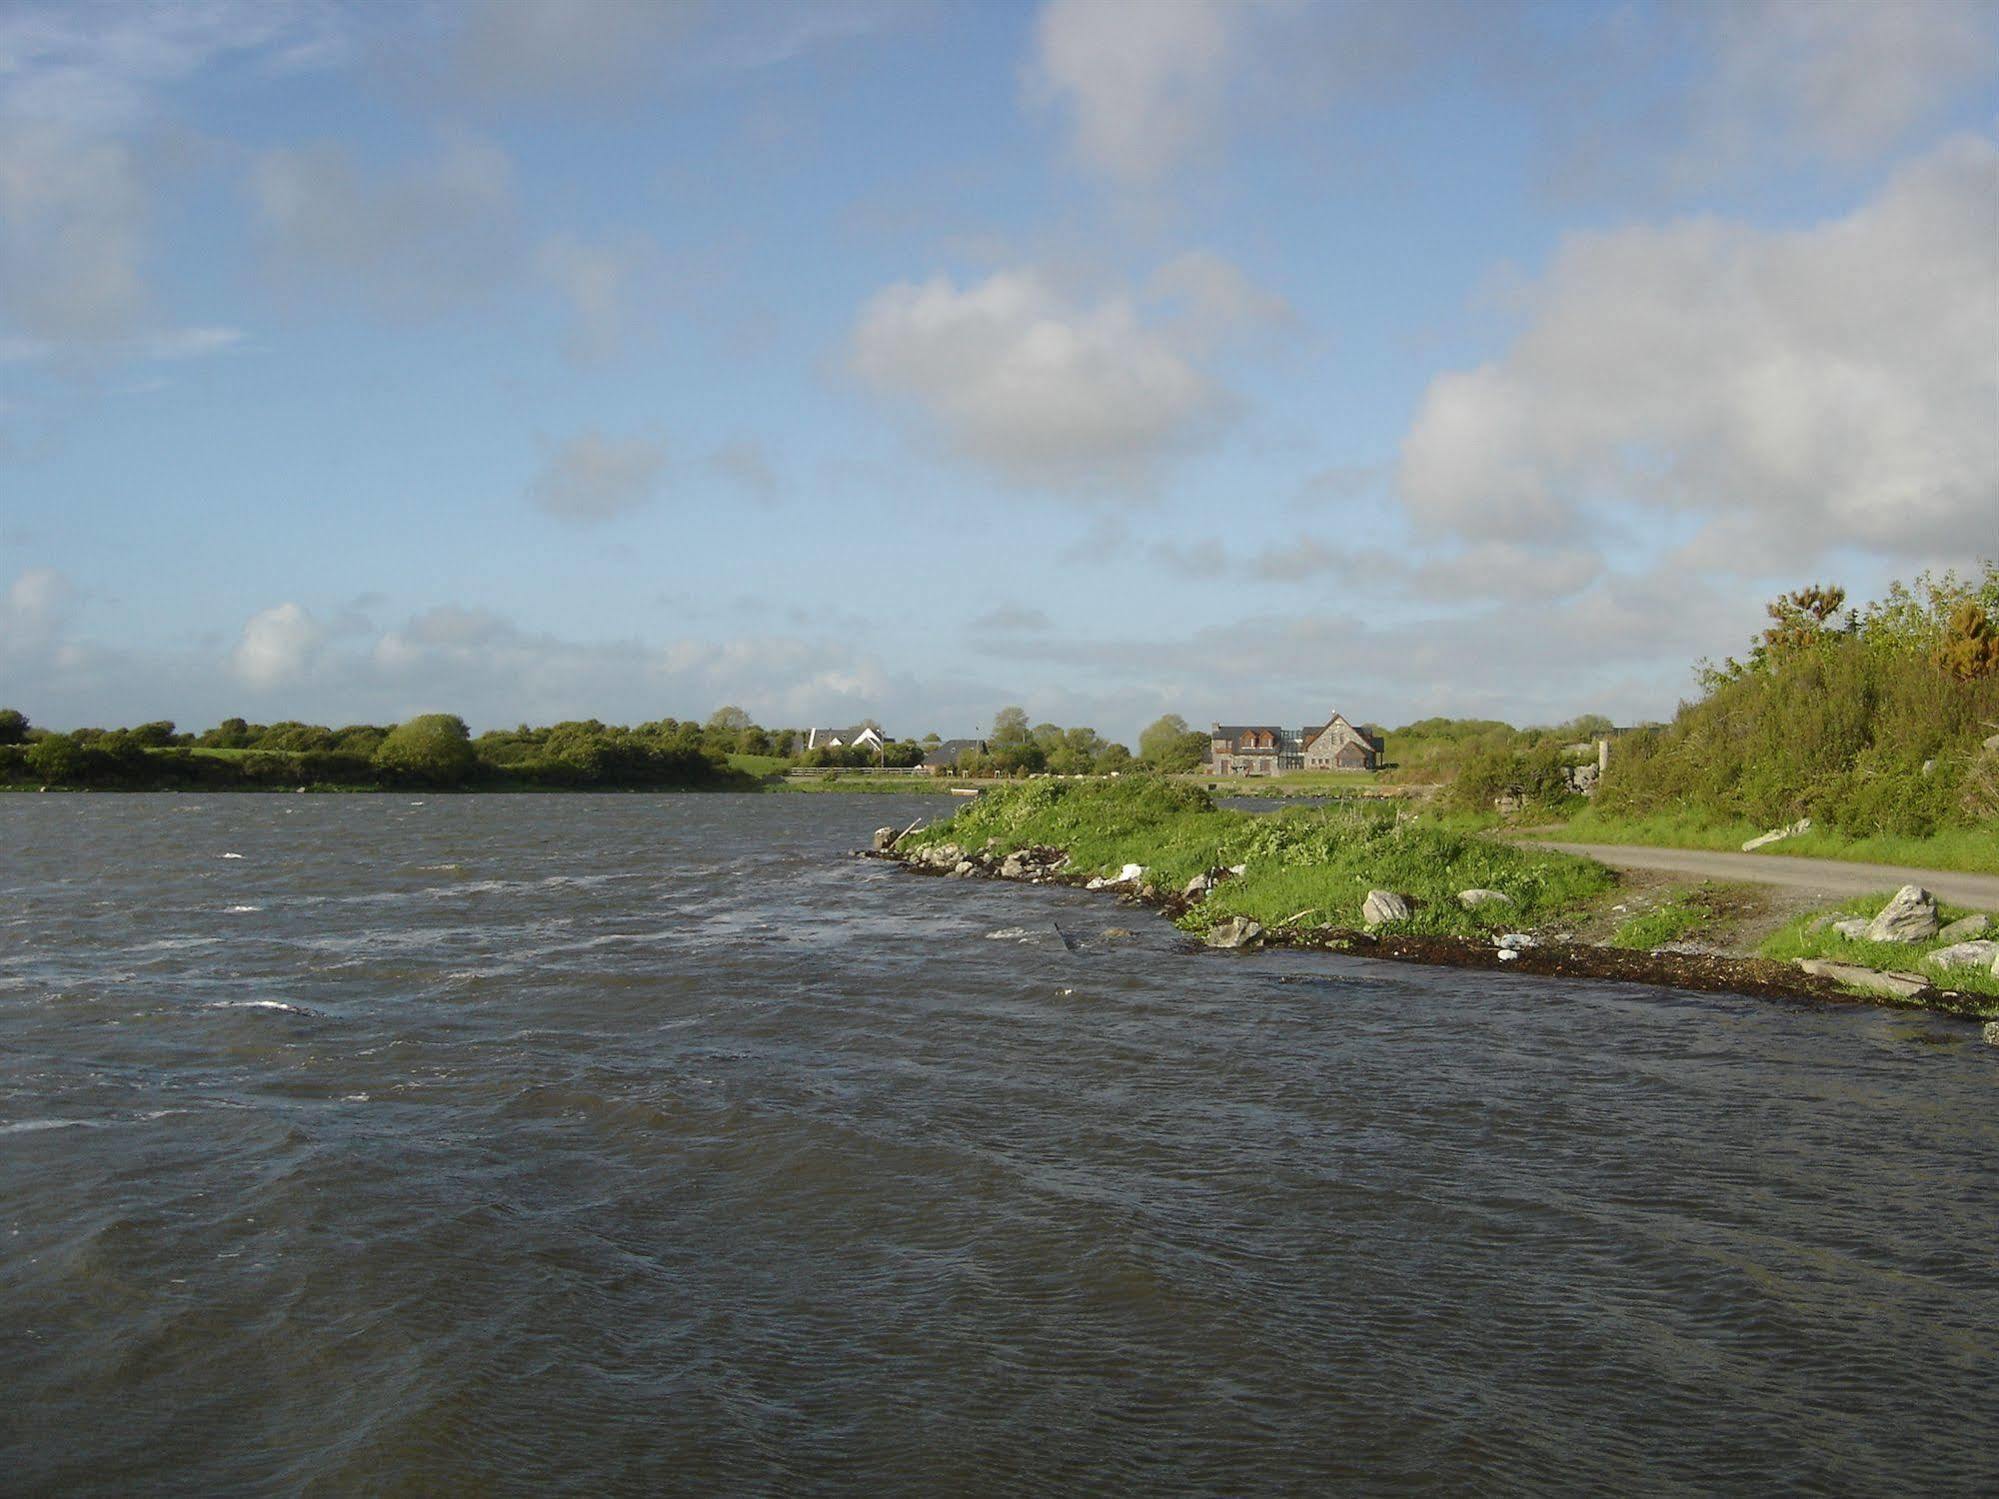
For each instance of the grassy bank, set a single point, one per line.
(1974, 850)
(850, 782)
(1297, 783)
(1795, 939)
(1303, 866)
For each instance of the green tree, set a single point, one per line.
(1112, 759)
(1169, 745)
(56, 758)
(432, 748)
(1009, 730)
(728, 720)
(13, 726)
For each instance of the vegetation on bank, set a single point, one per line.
(1679, 915)
(1797, 939)
(1303, 866)
(1869, 721)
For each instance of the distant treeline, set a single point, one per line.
(437, 750)
(432, 750)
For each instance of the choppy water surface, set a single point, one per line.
(622, 1144)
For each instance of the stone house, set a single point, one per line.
(1341, 746)
(1270, 749)
(1253, 749)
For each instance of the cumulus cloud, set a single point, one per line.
(1145, 87)
(279, 645)
(1046, 389)
(1839, 81)
(594, 477)
(412, 243)
(1776, 394)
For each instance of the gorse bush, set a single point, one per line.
(1870, 725)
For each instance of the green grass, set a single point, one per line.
(1311, 866)
(1295, 783)
(874, 785)
(1792, 940)
(1973, 850)
(1673, 918)
(759, 765)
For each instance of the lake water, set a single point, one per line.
(628, 1144)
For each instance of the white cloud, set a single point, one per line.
(1043, 389)
(1213, 302)
(1145, 84)
(1775, 394)
(1842, 81)
(527, 50)
(412, 243)
(1622, 646)
(593, 477)
(33, 611)
(95, 65)
(72, 222)
(600, 283)
(279, 645)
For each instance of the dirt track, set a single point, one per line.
(1831, 877)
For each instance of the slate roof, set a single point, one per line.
(947, 752)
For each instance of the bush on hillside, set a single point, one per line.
(1865, 725)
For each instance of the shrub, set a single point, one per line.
(432, 749)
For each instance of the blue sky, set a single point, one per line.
(1112, 357)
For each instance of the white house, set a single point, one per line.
(860, 736)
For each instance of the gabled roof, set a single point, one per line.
(948, 751)
(1340, 720)
(1235, 731)
(816, 737)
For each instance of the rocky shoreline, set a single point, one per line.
(1714, 973)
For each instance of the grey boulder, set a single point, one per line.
(1236, 932)
(1869, 980)
(1965, 928)
(1964, 955)
(1471, 900)
(1382, 907)
(1910, 917)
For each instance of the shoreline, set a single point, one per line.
(1708, 973)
